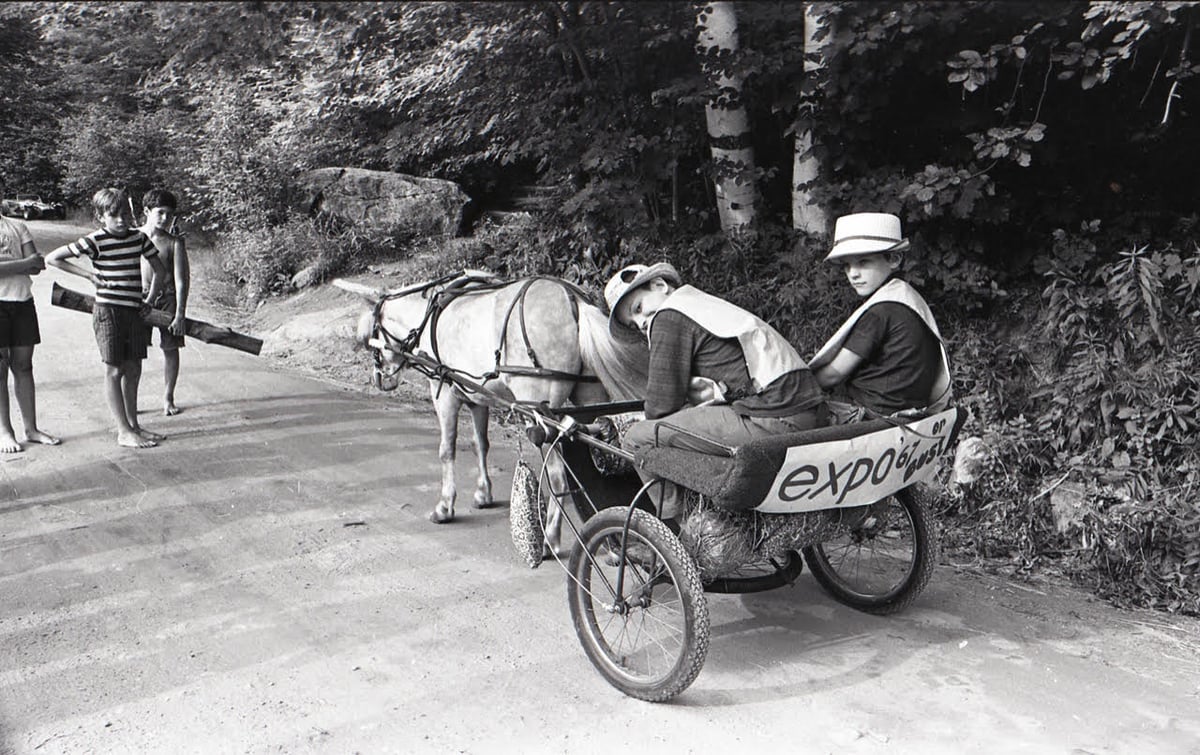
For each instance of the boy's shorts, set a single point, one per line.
(120, 333)
(19, 324)
(167, 340)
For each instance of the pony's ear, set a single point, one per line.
(372, 295)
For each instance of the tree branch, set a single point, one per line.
(1045, 83)
(1012, 100)
(1183, 59)
(1153, 78)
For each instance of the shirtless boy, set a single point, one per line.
(160, 207)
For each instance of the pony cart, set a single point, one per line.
(841, 499)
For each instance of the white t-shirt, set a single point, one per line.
(13, 236)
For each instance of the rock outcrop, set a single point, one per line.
(387, 203)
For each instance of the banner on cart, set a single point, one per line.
(861, 470)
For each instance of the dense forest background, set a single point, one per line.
(1043, 156)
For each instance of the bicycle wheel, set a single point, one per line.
(881, 566)
(649, 641)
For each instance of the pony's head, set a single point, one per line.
(371, 335)
(386, 363)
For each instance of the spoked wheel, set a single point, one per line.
(758, 577)
(883, 565)
(650, 639)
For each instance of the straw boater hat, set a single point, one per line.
(631, 277)
(866, 233)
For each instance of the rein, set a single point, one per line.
(464, 284)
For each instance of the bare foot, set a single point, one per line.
(170, 410)
(46, 439)
(133, 440)
(147, 435)
(9, 445)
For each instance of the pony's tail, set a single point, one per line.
(622, 366)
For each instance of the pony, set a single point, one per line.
(533, 340)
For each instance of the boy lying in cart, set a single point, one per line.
(888, 357)
(715, 370)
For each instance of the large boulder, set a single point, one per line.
(384, 202)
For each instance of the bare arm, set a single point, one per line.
(65, 260)
(842, 366)
(30, 263)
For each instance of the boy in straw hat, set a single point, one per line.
(888, 356)
(715, 369)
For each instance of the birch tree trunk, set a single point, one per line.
(807, 215)
(725, 113)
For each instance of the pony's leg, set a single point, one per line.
(483, 486)
(447, 405)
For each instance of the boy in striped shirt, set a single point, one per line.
(116, 251)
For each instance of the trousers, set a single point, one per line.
(719, 423)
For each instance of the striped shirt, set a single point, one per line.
(117, 261)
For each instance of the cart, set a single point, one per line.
(842, 499)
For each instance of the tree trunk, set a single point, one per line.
(725, 113)
(807, 214)
(81, 302)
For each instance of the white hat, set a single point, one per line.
(631, 277)
(866, 233)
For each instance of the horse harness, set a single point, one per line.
(466, 284)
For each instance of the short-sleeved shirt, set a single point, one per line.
(117, 260)
(900, 359)
(14, 235)
(680, 349)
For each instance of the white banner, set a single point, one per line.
(861, 470)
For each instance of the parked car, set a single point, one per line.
(31, 207)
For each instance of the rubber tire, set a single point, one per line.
(29, 214)
(906, 591)
(680, 570)
(784, 574)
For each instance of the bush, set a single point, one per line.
(1108, 401)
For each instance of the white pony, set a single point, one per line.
(531, 340)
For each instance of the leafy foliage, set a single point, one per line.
(27, 125)
(1115, 408)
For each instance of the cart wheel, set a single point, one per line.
(883, 565)
(650, 641)
(526, 512)
(760, 576)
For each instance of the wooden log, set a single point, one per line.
(216, 334)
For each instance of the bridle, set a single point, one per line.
(383, 341)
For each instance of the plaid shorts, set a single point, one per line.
(19, 324)
(120, 333)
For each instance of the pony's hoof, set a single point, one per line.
(482, 503)
(440, 517)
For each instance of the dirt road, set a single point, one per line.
(267, 581)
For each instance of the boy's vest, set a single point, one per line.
(768, 355)
(900, 292)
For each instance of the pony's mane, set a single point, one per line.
(623, 366)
